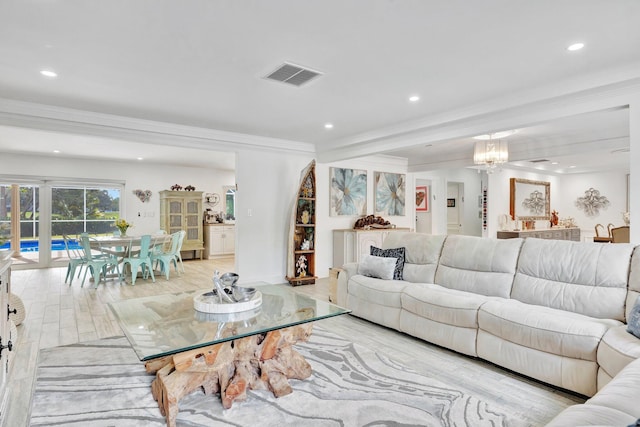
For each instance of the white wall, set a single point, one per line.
(613, 185)
(267, 186)
(499, 196)
(424, 220)
(135, 175)
(326, 223)
(565, 190)
(472, 224)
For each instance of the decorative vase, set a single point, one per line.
(123, 231)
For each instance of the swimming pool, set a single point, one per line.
(56, 245)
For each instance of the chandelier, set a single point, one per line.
(491, 153)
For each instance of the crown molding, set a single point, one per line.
(62, 119)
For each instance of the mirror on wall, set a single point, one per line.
(530, 200)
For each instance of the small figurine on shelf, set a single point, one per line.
(305, 218)
(176, 187)
(305, 245)
(189, 188)
(554, 218)
(301, 266)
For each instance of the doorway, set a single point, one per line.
(455, 207)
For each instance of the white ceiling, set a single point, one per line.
(201, 63)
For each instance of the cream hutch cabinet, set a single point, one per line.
(182, 210)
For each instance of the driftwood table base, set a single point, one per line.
(263, 361)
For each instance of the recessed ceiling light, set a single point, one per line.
(49, 73)
(575, 46)
(572, 166)
(554, 163)
(140, 158)
(414, 98)
(56, 151)
(328, 125)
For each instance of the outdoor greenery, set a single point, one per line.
(71, 207)
(73, 211)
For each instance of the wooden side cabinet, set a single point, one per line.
(182, 210)
(7, 340)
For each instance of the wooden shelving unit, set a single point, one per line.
(301, 261)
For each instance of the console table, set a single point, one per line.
(350, 244)
(550, 233)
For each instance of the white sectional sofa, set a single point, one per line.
(549, 309)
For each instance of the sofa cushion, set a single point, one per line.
(622, 392)
(570, 276)
(443, 305)
(481, 266)
(422, 252)
(397, 253)
(381, 292)
(633, 320)
(377, 266)
(617, 349)
(591, 415)
(552, 331)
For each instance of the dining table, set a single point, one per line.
(124, 246)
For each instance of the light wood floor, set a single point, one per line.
(58, 314)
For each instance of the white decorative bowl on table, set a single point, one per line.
(208, 302)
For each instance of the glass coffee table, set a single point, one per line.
(222, 353)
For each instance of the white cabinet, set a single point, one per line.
(219, 240)
(350, 245)
(5, 331)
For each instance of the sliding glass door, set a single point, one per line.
(82, 209)
(35, 216)
(20, 221)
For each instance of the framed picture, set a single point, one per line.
(530, 200)
(390, 193)
(348, 192)
(422, 198)
(451, 203)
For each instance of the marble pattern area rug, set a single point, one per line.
(102, 383)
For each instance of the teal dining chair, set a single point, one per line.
(140, 259)
(164, 256)
(97, 264)
(178, 256)
(76, 259)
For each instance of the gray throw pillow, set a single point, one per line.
(376, 266)
(398, 253)
(633, 322)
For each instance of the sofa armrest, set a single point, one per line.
(348, 270)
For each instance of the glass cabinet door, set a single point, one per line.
(175, 216)
(192, 222)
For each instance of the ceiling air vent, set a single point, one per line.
(539, 161)
(293, 74)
